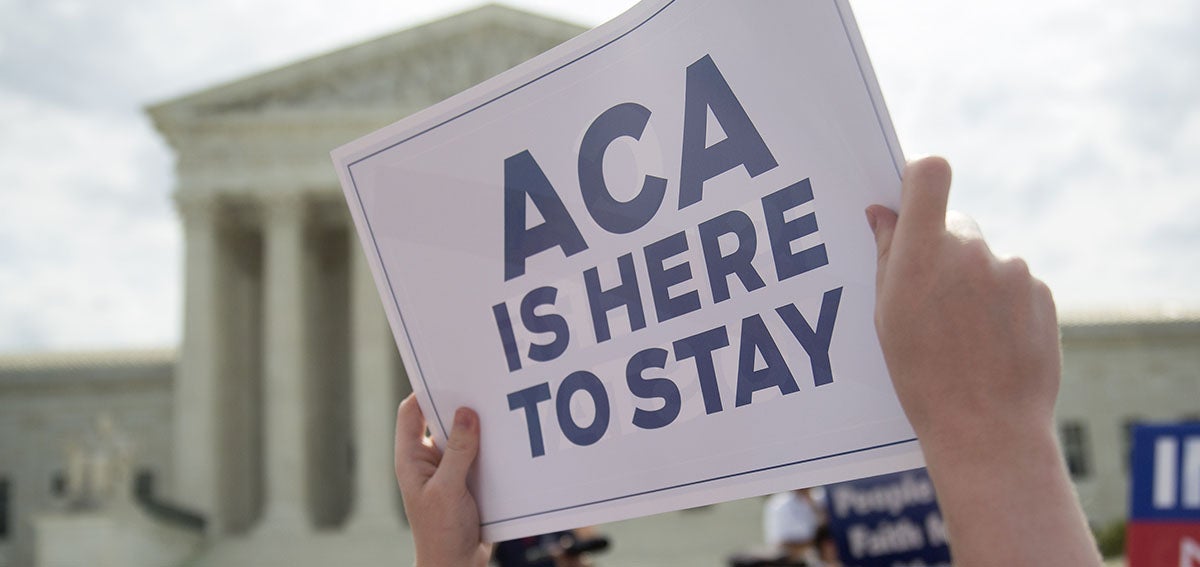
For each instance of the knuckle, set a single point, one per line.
(975, 254)
(1043, 291)
(1015, 269)
(459, 444)
(1045, 298)
(962, 225)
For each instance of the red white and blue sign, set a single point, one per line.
(1164, 508)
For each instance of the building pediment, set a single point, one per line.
(407, 70)
(272, 132)
(413, 78)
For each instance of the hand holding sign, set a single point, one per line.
(441, 511)
(971, 342)
(950, 310)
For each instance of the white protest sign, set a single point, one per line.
(642, 258)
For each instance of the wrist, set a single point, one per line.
(987, 489)
(996, 466)
(983, 443)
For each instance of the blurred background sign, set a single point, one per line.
(888, 520)
(1164, 508)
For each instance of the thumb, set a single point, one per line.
(883, 224)
(461, 448)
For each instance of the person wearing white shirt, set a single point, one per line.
(791, 520)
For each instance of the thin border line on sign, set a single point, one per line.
(408, 336)
(701, 481)
(866, 85)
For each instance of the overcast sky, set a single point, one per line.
(1073, 127)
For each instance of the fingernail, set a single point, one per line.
(871, 221)
(464, 418)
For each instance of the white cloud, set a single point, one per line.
(88, 243)
(1069, 127)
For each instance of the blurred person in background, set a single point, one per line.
(791, 520)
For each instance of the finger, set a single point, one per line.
(410, 422)
(883, 224)
(410, 433)
(924, 193)
(461, 448)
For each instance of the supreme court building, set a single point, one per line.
(268, 433)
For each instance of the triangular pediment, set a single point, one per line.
(407, 70)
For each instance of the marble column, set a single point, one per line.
(285, 398)
(372, 370)
(197, 451)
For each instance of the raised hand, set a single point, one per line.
(972, 344)
(441, 510)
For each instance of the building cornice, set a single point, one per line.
(1131, 324)
(94, 371)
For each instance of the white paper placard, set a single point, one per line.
(642, 259)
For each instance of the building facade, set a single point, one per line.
(299, 384)
(274, 419)
(1121, 369)
(50, 406)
